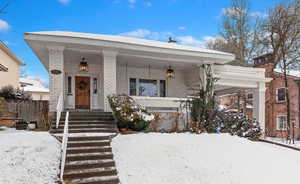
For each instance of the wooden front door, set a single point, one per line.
(82, 92)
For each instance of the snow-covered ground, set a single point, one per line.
(206, 159)
(28, 157)
(283, 141)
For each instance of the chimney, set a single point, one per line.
(171, 40)
(265, 61)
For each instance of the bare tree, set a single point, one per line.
(239, 30)
(282, 38)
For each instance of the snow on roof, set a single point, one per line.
(294, 73)
(33, 85)
(129, 40)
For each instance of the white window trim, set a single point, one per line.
(277, 100)
(277, 122)
(138, 83)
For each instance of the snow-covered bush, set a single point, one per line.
(128, 113)
(237, 124)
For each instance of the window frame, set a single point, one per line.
(138, 86)
(277, 92)
(248, 96)
(277, 122)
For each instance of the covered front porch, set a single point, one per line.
(85, 68)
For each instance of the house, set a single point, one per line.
(9, 67)
(85, 68)
(276, 116)
(275, 102)
(35, 88)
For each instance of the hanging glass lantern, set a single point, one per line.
(83, 66)
(170, 73)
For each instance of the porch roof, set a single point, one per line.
(124, 45)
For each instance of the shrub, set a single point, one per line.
(9, 93)
(128, 113)
(237, 124)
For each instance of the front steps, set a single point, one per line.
(89, 158)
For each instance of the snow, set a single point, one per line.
(206, 159)
(283, 141)
(28, 157)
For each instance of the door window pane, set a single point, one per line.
(148, 87)
(132, 87)
(69, 84)
(95, 86)
(162, 87)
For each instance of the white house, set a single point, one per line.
(85, 68)
(35, 87)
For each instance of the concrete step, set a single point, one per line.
(83, 125)
(87, 173)
(88, 143)
(96, 180)
(86, 122)
(85, 130)
(90, 150)
(86, 138)
(89, 156)
(89, 164)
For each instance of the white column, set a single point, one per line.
(259, 105)
(109, 76)
(56, 81)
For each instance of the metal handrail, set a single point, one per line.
(64, 146)
(59, 109)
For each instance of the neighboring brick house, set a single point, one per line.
(276, 113)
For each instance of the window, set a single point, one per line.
(162, 88)
(69, 85)
(95, 86)
(281, 122)
(281, 94)
(148, 87)
(132, 86)
(250, 96)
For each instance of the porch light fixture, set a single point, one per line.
(83, 66)
(170, 73)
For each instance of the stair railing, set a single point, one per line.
(59, 109)
(64, 146)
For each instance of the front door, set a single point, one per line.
(82, 92)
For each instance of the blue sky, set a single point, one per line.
(191, 22)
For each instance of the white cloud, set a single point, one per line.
(147, 34)
(258, 14)
(163, 36)
(190, 40)
(148, 4)
(232, 11)
(181, 28)
(64, 1)
(4, 26)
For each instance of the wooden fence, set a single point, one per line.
(31, 111)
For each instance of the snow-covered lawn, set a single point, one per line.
(283, 141)
(206, 159)
(28, 157)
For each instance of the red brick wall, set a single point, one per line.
(274, 108)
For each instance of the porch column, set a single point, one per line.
(259, 105)
(56, 75)
(109, 76)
